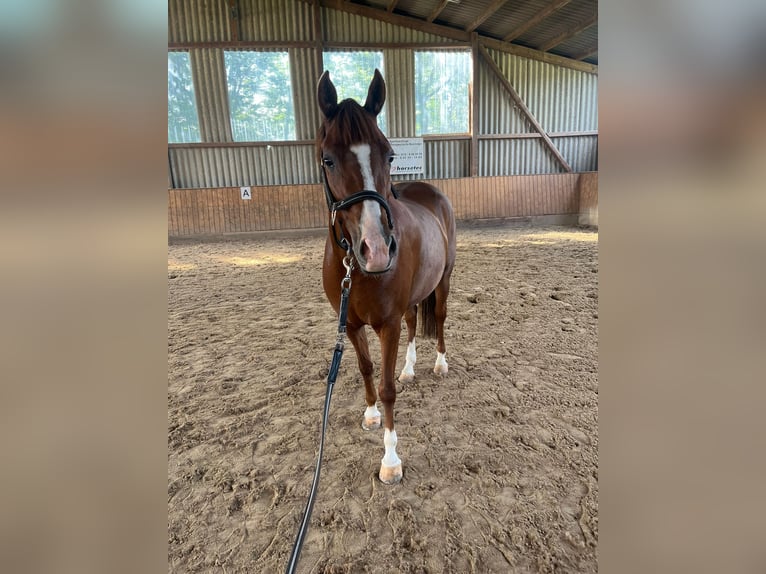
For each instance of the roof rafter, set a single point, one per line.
(491, 9)
(459, 36)
(436, 11)
(398, 20)
(586, 54)
(536, 19)
(570, 32)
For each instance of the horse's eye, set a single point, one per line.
(391, 158)
(328, 162)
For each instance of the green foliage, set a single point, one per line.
(260, 96)
(352, 72)
(261, 99)
(183, 125)
(441, 92)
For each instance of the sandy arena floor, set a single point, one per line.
(500, 457)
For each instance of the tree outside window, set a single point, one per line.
(352, 72)
(183, 123)
(441, 92)
(260, 96)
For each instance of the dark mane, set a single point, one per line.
(351, 124)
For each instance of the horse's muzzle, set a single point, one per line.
(376, 255)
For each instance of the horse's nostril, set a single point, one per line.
(391, 246)
(365, 249)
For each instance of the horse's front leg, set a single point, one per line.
(358, 338)
(391, 464)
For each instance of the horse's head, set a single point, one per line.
(356, 158)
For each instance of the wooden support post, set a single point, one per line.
(234, 19)
(524, 109)
(318, 39)
(475, 106)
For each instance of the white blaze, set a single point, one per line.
(370, 209)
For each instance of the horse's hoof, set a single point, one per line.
(441, 369)
(371, 423)
(406, 378)
(390, 474)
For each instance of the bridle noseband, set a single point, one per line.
(335, 206)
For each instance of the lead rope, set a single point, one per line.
(345, 288)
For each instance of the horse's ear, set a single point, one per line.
(376, 94)
(327, 96)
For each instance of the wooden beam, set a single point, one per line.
(316, 14)
(586, 54)
(398, 20)
(392, 5)
(396, 45)
(461, 38)
(438, 10)
(536, 19)
(491, 9)
(523, 107)
(570, 32)
(234, 19)
(536, 135)
(173, 46)
(546, 57)
(474, 154)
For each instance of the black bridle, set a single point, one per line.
(335, 206)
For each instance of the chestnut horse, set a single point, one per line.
(400, 241)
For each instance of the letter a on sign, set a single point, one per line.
(244, 193)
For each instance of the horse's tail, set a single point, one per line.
(427, 316)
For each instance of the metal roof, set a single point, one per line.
(567, 28)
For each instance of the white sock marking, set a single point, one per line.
(441, 363)
(409, 364)
(371, 412)
(390, 458)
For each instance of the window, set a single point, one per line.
(183, 124)
(441, 92)
(260, 96)
(351, 72)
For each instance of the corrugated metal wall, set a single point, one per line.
(400, 93)
(561, 99)
(243, 165)
(275, 20)
(304, 66)
(209, 75)
(198, 21)
(340, 26)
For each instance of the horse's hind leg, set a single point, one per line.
(358, 338)
(440, 314)
(408, 372)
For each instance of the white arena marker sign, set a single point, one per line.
(244, 193)
(409, 157)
